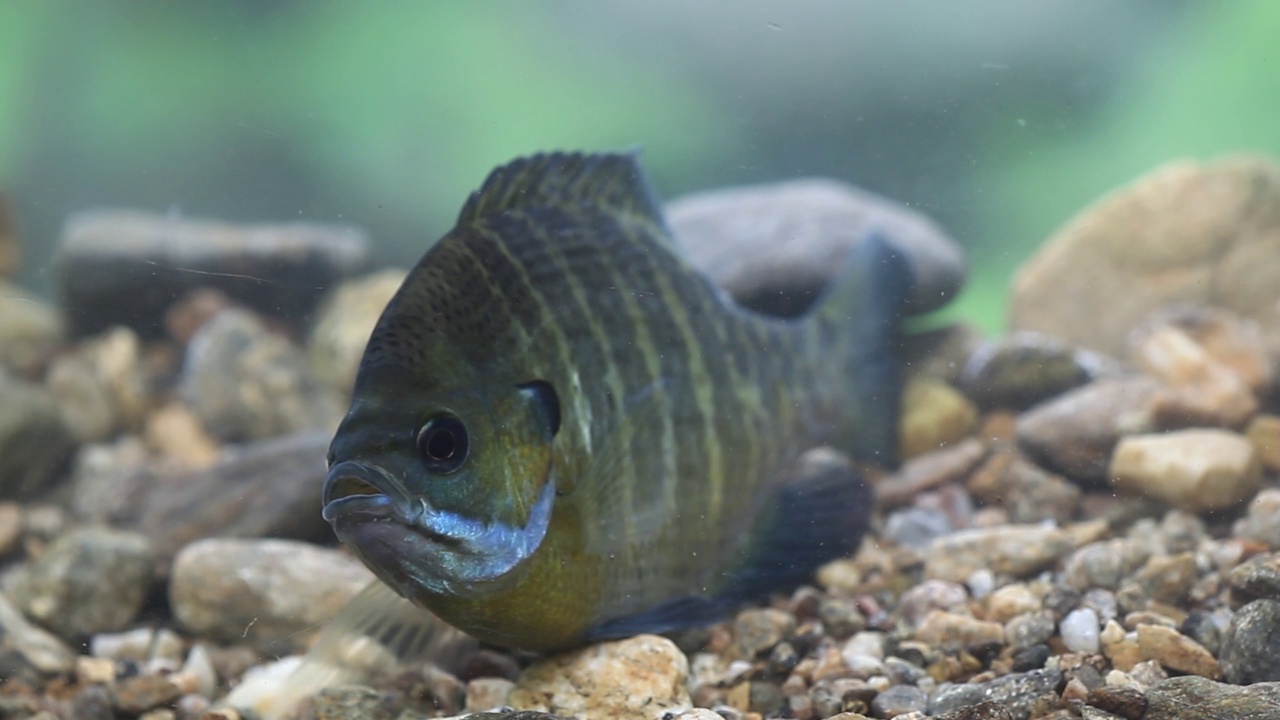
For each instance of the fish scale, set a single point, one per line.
(613, 446)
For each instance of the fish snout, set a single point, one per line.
(357, 486)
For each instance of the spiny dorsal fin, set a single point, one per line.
(610, 181)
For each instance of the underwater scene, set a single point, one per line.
(731, 360)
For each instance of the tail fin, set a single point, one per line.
(862, 311)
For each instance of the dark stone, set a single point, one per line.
(1251, 646)
(1257, 578)
(1123, 701)
(1023, 369)
(124, 267)
(1201, 627)
(1192, 696)
(1032, 658)
(270, 488)
(35, 443)
(1025, 695)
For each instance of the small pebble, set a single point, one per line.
(1176, 651)
(1080, 631)
(899, 700)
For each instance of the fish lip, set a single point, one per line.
(354, 488)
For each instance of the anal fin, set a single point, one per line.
(372, 634)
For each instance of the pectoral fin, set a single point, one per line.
(373, 633)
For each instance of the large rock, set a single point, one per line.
(35, 443)
(1181, 698)
(270, 593)
(126, 266)
(89, 581)
(30, 331)
(269, 488)
(1205, 233)
(246, 382)
(101, 387)
(775, 247)
(1075, 433)
(10, 247)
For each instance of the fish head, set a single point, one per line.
(441, 473)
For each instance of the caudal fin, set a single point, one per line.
(862, 311)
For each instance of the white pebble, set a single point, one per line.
(1080, 630)
(981, 582)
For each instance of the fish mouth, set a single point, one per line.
(354, 489)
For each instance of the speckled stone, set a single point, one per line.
(35, 646)
(1251, 645)
(89, 581)
(1028, 493)
(757, 631)
(1261, 521)
(1016, 550)
(1030, 629)
(1024, 695)
(1104, 564)
(1256, 578)
(899, 700)
(609, 679)
(1174, 698)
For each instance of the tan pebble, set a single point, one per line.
(1075, 691)
(487, 693)
(1010, 601)
(999, 426)
(175, 431)
(1112, 632)
(1176, 651)
(1117, 678)
(1264, 432)
(94, 670)
(955, 630)
(1016, 550)
(220, 714)
(1202, 389)
(1124, 655)
(1195, 470)
(607, 679)
(1147, 617)
(158, 714)
(840, 576)
(934, 415)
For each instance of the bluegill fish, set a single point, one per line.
(560, 432)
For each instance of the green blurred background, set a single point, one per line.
(1000, 118)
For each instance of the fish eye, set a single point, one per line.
(443, 444)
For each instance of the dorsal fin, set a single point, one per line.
(613, 182)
